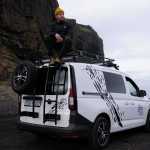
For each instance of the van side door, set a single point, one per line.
(136, 103)
(115, 84)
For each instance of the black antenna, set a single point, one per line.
(110, 63)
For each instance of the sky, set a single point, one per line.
(124, 26)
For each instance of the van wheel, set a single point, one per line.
(23, 78)
(147, 125)
(100, 133)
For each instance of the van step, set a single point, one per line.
(49, 101)
(52, 117)
(29, 114)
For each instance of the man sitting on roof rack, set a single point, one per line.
(59, 40)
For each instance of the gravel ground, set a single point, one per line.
(13, 139)
(8, 100)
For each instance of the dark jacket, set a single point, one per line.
(62, 28)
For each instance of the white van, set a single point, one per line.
(79, 99)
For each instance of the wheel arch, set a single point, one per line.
(104, 115)
(148, 111)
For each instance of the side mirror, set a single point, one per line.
(142, 93)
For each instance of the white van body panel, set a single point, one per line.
(92, 101)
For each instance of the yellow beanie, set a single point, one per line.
(58, 10)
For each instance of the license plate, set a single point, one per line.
(29, 103)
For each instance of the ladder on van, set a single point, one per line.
(52, 117)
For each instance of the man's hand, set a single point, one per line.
(59, 39)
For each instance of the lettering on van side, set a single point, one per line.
(140, 110)
(99, 83)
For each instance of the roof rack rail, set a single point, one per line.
(84, 57)
(78, 56)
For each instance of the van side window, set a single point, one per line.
(114, 83)
(133, 88)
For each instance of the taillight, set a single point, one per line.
(72, 100)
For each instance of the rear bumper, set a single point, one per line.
(72, 131)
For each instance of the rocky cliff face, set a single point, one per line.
(22, 26)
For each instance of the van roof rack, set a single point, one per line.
(84, 57)
(77, 56)
(109, 63)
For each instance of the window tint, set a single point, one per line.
(114, 83)
(133, 89)
(58, 80)
(53, 81)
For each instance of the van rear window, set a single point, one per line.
(57, 81)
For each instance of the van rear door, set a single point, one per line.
(49, 104)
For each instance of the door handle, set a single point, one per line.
(132, 103)
(126, 103)
(49, 101)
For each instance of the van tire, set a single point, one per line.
(100, 134)
(147, 125)
(24, 77)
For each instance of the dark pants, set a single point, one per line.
(58, 49)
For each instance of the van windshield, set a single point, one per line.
(57, 81)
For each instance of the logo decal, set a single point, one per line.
(99, 83)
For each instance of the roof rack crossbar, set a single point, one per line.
(86, 57)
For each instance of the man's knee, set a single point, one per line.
(68, 39)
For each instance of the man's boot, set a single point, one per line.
(52, 60)
(58, 60)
